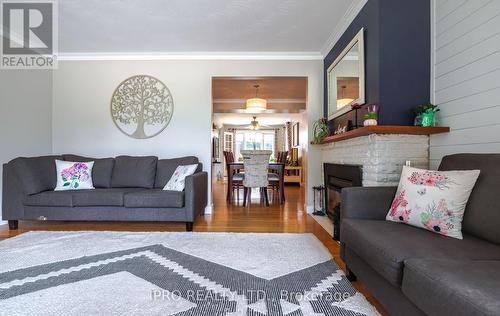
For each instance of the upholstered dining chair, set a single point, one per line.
(237, 178)
(256, 164)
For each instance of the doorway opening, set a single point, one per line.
(259, 113)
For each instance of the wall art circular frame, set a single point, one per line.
(142, 101)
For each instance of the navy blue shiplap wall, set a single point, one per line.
(397, 58)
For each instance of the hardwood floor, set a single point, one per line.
(290, 218)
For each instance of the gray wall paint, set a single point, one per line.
(466, 76)
(25, 114)
(82, 90)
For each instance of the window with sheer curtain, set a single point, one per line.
(254, 140)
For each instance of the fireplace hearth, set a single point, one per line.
(337, 177)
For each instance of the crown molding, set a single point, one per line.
(345, 21)
(191, 56)
(269, 101)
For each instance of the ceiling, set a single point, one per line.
(174, 26)
(283, 94)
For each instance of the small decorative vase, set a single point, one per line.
(370, 122)
(428, 118)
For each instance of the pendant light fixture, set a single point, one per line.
(256, 105)
(254, 125)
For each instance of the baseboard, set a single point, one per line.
(309, 208)
(208, 210)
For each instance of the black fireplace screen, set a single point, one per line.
(337, 177)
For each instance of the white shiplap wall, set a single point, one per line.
(466, 76)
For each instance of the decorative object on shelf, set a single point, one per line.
(355, 107)
(319, 200)
(371, 117)
(256, 104)
(141, 106)
(424, 114)
(295, 134)
(344, 126)
(320, 130)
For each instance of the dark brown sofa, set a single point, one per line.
(412, 271)
(126, 189)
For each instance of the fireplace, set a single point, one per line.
(337, 177)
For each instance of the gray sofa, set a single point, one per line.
(412, 271)
(126, 189)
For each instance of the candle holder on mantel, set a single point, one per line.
(356, 107)
(319, 200)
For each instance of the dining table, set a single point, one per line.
(275, 167)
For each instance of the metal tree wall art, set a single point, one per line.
(142, 106)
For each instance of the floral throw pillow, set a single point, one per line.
(178, 180)
(74, 175)
(433, 200)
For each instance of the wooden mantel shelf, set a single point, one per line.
(385, 129)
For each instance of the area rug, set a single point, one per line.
(124, 273)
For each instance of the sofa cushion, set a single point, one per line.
(386, 245)
(37, 174)
(50, 198)
(433, 200)
(482, 217)
(154, 198)
(134, 172)
(444, 287)
(166, 167)
(101, 197)
(102, 171)
(74, 175)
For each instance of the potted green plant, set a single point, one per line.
(424, 114)
(370, 119)
(320, 130)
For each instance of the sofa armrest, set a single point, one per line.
(196, 195)
(12, 194)
(366, 202)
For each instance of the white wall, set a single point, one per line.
(25, 114)
(466, 76)
(82, 91)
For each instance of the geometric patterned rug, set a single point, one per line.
(145, 275)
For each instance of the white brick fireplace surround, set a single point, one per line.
(382, 156)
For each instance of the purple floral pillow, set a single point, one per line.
(74, 175)
(433, 200)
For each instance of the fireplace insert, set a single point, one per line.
(337, 177)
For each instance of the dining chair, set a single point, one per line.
(256, 164)
(277, 182)
(282, 156)
(236, 177)
(276, 179)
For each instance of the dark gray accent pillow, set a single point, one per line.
(102, 171)
(134, 172)
(37, 174)
(166, 167)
